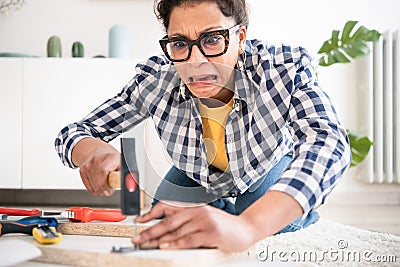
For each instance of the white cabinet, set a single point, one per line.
(55, 92)
(11, 123)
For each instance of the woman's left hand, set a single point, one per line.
(193, 227)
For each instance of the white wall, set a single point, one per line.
(307, 23)
(28, 29)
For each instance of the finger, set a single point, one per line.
(87, 184)
(108, 193)
(107, 189)
(86, 181)
(186, 229)
(151, 244)
(150, 215)
(194, 240)
(169, 224)
(100, 185)
(159, 210)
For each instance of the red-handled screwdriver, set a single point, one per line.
(85, 214)
(19, 212)
(74, 214)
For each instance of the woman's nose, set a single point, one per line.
(196, 55)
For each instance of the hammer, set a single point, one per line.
(128, 180)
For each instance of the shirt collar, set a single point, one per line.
(184, 91)
(244, 86)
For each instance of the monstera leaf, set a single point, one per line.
(359, 146)
(345, 45)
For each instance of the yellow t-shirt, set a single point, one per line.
(214, 121)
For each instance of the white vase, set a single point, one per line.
(120, 42)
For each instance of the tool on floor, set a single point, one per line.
(129, 182)
(118, 249)
(16, 228)
(50, 221)
(5, 217)
(20, 212)
(85, 214)
(43, 233)
(30, 220)
(74, 214)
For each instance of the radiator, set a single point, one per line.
(379, 113)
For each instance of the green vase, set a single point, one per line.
(77, 49)
(54, 47)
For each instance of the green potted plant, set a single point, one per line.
(343, 47)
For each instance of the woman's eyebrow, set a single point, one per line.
(212, 28)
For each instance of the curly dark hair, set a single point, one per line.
(237, 9)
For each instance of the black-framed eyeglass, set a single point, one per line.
(211, 44)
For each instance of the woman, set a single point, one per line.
(238, 118)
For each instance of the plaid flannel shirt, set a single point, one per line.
(279, 109)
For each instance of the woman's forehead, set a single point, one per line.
(192, 20)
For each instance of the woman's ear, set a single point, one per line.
(242, 39)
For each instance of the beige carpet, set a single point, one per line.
(333, 244)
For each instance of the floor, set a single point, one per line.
(380, 218)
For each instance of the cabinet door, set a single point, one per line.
(57, 92)
(11, 122)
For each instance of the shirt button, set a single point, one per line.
(230, 141)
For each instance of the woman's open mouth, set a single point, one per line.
(202, 79)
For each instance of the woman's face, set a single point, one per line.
(205, 76)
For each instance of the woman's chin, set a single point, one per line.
(204, 91)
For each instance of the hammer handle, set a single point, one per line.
(114, 179)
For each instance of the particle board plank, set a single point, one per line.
(99, 229)
(90, 251)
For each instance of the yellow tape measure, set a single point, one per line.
(45, 234)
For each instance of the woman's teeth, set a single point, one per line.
(202, 78)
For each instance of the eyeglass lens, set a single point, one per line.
(210, 44)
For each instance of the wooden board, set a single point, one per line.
(96, 251)
(99, 229)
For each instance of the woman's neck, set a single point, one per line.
(223, 97)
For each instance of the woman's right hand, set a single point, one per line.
(95, 169)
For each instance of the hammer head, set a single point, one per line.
(130, 192)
